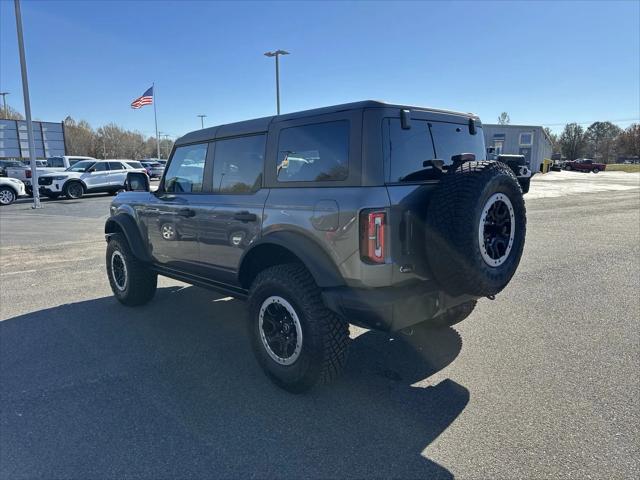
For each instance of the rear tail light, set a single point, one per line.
(28, 173)
(372, 236)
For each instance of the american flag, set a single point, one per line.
(145, 99)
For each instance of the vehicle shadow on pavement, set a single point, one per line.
(171, 390)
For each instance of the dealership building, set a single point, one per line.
(530, 141)
(14, 141)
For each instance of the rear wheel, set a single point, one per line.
(7, 196)
(298, 342)
(131, 280)
(476, 225)
(595, 170)
(73, 190)
(568, 167)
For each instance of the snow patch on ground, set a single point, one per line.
(560, 184)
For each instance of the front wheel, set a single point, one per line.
(7, 196)
(131, 280)
(73, 190)
(298, 341)
(595, 170)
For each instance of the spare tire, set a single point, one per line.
(475, 229)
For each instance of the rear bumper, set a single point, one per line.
(390, 308)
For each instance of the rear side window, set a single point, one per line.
(135, 164)
(452, 139)
(116, 166)
(238, 164)
(100, 167)
(314, 153)
(406, 150)
(55, 162)
(186, 169)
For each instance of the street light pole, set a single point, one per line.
(277, 54)
(166, 136)
(202, 116)
(27, 108)
(4, 104)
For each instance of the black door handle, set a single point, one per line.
(245, 216)
(186, 212)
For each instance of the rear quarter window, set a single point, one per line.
(314, 153)
(452, 139)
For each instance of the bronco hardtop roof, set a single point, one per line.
(259, 125)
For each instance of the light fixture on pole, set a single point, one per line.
(166, 137)
(202, 117)
(277, 54)
(27, 108)
(4, 104)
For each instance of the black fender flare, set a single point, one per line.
(318, 262)
(124, 223)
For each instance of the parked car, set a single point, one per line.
(87, 176)
(366, 226)
(52, 164)
(4, 164)
(136, 165)
(154, 169)
(519, 167)
(10, 190)
(585, 165)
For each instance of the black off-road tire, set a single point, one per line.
(453, 220)
(325, 336)
(140, 282)
(75, 193)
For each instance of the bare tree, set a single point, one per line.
(629, 141)
(504, 119)
(601, 140)
(80, 139)
(572, 141)
(10, 113)
(553, 138)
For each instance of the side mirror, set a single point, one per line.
(137, 182)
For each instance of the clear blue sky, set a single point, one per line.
(542, 62)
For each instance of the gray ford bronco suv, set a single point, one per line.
(378, 215)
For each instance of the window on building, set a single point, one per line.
(238, 164)
(186, 169)
(526, 139)
(314, 153)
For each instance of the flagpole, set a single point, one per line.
(155, 115)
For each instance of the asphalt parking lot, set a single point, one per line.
(541, 382)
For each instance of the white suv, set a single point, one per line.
(88, 176)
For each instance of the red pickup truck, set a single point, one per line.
(585, 165)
